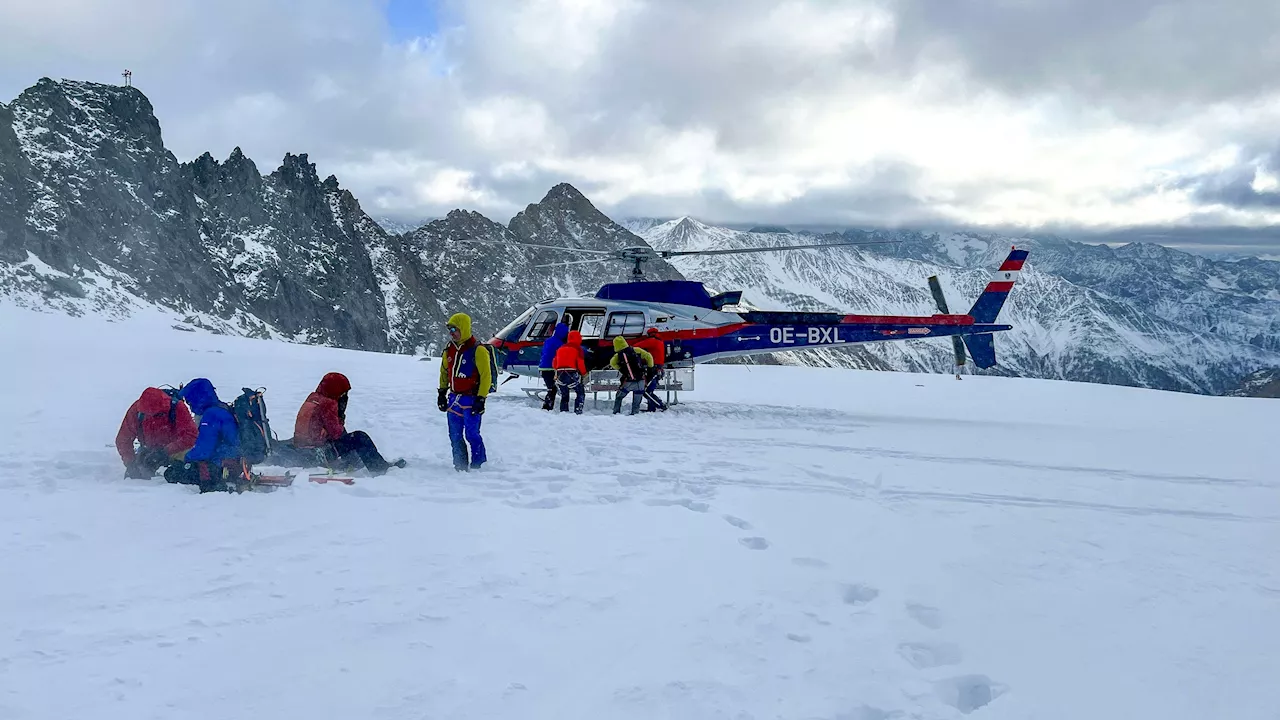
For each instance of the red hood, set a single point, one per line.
(153, 401)
(575, 338)
(334, 385)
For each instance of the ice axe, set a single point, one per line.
(957, 343)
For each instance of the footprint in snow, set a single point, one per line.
(930, 617)
(930, 655)
(754, 543)
(866, 712)
(737, 522)
(967, 693)
(859, 594)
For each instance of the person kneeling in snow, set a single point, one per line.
(319, 425)
(214, 462)
(465, 380)
(571, 372)
(163, 428)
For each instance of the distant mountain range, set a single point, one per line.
(97, 216)
(1139, 315)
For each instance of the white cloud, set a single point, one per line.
(790, 110)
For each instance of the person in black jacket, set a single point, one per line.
(632, 364)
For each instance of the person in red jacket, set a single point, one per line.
(163, 428)
(653, 344)
(570, 365)
(319, 425)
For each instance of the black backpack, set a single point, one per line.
(250, 413)
(629, 362)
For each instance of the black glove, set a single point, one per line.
(477, 408)
(442, 401)
(136, 472)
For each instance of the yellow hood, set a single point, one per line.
(461, 321)
(619, 343)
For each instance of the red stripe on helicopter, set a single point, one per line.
(695, 334)
(998, 287)
(1011, 265)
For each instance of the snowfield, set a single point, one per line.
(787, 543)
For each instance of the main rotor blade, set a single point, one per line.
(674, 253)
(544, 247)
(575, 262)
(938, 298)
(957, 345)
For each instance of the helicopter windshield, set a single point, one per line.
(515, 327)
(544, 325)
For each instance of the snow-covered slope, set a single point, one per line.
(1062, 330)
(786, 543)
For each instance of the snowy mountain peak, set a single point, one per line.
(686, 229)
(564, 192)
(300, 167)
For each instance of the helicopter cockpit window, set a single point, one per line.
(544, 325)
(625, 323)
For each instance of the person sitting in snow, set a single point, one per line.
(214, 462)
(632, 364)
(547, 366)
(320, 425)
(163, 428)
(571, 372)
(465, 380)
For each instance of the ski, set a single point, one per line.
(322, 479)
(273, 480)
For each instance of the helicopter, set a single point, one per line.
(697, 326)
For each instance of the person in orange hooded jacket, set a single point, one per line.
(163, 428)
(320, 425)
(571, 372)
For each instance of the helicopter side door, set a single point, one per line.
(589, 321)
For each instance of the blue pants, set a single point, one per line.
(464, 430)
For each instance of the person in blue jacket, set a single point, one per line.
(546, 365)
(214, 462)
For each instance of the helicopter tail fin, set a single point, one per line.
(982, 348)
(987, 307)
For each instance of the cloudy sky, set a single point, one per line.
(1100, 118)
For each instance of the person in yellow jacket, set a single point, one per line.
(466, 376)
(631, 364)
